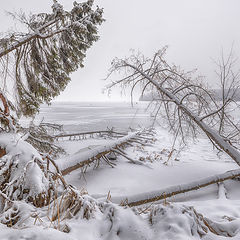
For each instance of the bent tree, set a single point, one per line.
(186, 103)
(35, 66)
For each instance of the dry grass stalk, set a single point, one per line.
(71, 203)
(109, 196)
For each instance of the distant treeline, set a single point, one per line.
(217, 94)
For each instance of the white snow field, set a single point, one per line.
(212, 212)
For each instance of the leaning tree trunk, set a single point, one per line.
(162, 194)
(211, 133)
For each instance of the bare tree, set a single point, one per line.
(186, 102)
(227, 96)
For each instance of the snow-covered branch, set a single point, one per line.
(84, 158)
(189, 98)
(143, 198)
(44, 57)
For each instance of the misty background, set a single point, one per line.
(196, 32)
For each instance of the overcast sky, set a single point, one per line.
(194, 30)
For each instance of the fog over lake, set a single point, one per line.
(85, 116)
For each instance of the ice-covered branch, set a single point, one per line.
(189, 99)
(211, 133)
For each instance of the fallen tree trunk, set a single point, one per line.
(84, 134)
(81, 159)
(162, 194)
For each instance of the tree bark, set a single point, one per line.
(2, 152)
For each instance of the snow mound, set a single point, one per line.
(176, 222)
(22, 171)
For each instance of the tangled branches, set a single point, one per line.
(182, 98)
(41, 137)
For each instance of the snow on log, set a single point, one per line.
(81, 159)
(143, 198)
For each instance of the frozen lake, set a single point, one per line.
(85, 116)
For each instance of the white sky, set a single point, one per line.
(195, 30)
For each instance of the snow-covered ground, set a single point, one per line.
(212, 212)
(197, 161)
